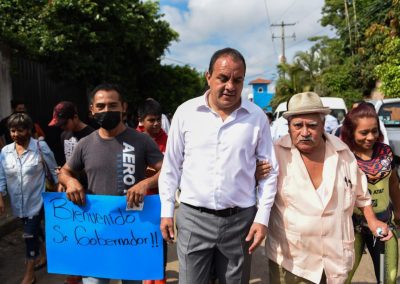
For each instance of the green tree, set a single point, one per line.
(384, 43)
(389, 71)
(20, 25)
(361, 14)
(104, 40)
(302, 75)
(172, 85)
(293, 80)
(354, 67)
(338, 81)
(93, 41)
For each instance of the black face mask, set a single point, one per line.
(108, 119)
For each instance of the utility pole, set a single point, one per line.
(355, 23)
(346, 11)
(282, 37)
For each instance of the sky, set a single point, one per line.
(205, 26)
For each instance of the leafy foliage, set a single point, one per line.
(20, 24)
(172, 85)
(365, 50)
(389, 70)
(291, 81)
(93, 41)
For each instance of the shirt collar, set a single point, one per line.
(31, 147)
(331, 140)
(203, 104)
(159, 135)
(140, 128)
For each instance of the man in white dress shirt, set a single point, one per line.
(213, 145)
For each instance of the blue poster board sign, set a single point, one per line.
(102, 239)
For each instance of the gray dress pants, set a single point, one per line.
(207, 241)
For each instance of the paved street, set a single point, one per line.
(12, 265)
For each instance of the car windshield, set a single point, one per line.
(389, 113)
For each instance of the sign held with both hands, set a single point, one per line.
(103, 239)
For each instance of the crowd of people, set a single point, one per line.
(315, 198)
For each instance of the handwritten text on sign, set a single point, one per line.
(102, 239)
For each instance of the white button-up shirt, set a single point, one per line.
(213, 161)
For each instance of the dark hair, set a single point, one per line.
(149, 107)
(366, 93)
(107, 87)
(236, 55)
(269, 115)
(368, 88)
(357, 102)
(364, 109)
(20, 120)
(15, 102)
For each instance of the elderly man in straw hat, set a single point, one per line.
(310, 230)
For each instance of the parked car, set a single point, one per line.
(337, 106)
(388, 111)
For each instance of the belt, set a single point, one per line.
(220, 213)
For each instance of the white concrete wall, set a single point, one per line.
(5, 82)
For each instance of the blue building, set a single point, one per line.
(261, 97)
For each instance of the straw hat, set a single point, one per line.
(305, 103)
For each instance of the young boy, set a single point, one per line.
(149, 114)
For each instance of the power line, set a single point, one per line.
(287, 9)
(303, 40)
(296, 43)
(268, 24)
(175, 60)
